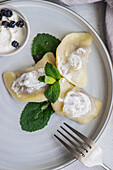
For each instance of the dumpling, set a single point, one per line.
(72, 56)
(24, 85)
(74, 103)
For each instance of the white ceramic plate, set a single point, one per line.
(40, 150)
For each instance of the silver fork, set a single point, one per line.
(87, 152)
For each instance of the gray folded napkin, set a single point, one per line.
(108, 19)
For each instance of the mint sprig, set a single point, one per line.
(35, 116)
(41, 78)
(42, 44)
(49, 80)
(52, 71)
(53, 92)
(52, 77)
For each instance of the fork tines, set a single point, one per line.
(78, 152)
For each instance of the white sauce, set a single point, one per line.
(28, 82)
(7, 35)
(76, 104)
(74, 60)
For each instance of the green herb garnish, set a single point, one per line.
(35, 116)
(41, 78)
(53, 92)
(49, 80)
(52, 77)
(42, 44)
(52, 71)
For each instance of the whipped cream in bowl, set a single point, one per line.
(14, 30)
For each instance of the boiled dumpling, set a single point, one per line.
(72, 56)
(74, 103)
(24, 85)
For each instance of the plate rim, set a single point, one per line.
(65, 8)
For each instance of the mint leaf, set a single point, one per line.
(42, 109)
(42, 44)
(53, 92)
(37, 58)
(41, 78)
(52, 71)
(49, 80)
(35, 116)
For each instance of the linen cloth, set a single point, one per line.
(108, 19)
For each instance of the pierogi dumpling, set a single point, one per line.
(72, 56)
(24, 85)
(74, 103)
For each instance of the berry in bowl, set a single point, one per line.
(14, 30)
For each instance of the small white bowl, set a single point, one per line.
(26, 27)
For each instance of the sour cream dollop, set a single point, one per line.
(28, 83)
(8, 35)
(76, 104)
(74, 61)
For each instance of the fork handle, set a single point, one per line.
(105, 167)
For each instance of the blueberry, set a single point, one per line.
(0, 16)
(20, 23)
(15, 44)
(3, 11)
(12, 24)
(6, 12)
(5, 24)
(9, 13)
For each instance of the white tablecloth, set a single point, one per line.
(94, 14)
